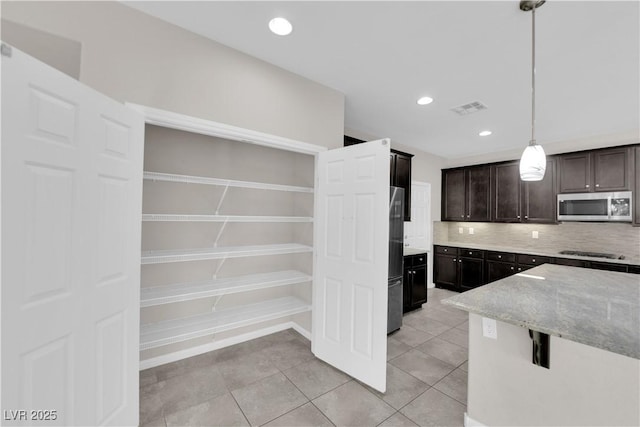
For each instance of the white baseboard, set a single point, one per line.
(470, 422)
(215, 345)
(302, 331)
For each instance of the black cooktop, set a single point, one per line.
(592, 254)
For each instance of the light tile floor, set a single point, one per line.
(276, 381)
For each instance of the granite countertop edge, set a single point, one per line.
(541, 328)
(598, 308)
(500, 248)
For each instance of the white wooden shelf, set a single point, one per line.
(168, 177)
(172, 255)
(223, 218)
(178, 292)
(178, 330)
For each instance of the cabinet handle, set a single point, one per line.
(597, 185)
(419, 259)
(499, 256)
(512, 268)
(446, 250)
(461, 216)
(468, 216)
(587, 186)
(526, 217)
(533, 260)
(518, 216)
(454, 260)
(470, 253)
(459, 260)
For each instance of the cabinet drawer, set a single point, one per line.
(635, 269)
(416, 260)
(501, 256)
(532, 259)
(572, 262)
(471, 253)
(448, 250)
(608, 266)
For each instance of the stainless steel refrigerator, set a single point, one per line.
(396, 246)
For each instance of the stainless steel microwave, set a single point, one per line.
(595, 206)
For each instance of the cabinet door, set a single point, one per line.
(403, 180)
(445, 270)
(478, 191)
(406, 286)
(418, 286)
(471, 273)
(392, 169)
(499, 270)
(611, 169)
(575, 172)
(539, 197)
(453, 195)
(506, 185)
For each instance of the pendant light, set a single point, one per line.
(533, 162)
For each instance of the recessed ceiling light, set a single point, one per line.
(425, 100)
(280, 26)
(485, 133)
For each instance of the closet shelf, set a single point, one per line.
(177, 292)
(164, 256)
(223, 218)
(172, 331)
(167, 177)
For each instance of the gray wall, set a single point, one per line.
(585, 385)
(133, 57)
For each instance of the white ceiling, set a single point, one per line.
(384, 55)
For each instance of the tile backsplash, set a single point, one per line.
(619, 239)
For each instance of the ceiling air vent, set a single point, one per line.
(470, 108)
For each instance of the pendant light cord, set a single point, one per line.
(533, 75)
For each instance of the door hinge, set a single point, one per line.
(5, 50)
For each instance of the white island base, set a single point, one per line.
(584, 385)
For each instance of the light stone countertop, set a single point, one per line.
(409, 250)
(593, 307)
(501, 248)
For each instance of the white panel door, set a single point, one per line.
(351, 230)
(71, 206)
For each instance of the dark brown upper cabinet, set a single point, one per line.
(400, 172)
(521, 201)
(598, 170)
(401, 177)
(466, 194)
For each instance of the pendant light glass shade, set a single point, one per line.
(533, 163)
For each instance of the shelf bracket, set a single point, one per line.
(215, 274)
(224, 224)
(541, 346)
(224, 194)
(215, 303)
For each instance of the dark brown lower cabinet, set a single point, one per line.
(499, 270)
(458, 269)
(414, 282)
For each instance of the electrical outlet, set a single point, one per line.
(460, 230)
(534, 234)
(489, 328)
(470, 230)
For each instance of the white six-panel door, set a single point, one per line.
(71, 203)
(351, 245)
